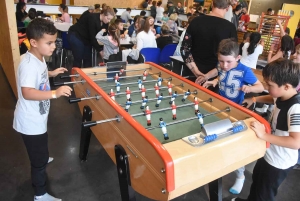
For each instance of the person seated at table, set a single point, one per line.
(97, 8)
(65, 17)
(120, 25)
(133, 26)
(145, 37)
(172, 24)
(111, 42)
(165, 18)
(150, 19)
(21, 13)
(143, 14)
(31, 16)
(164, 38)
(179, 8)
(126, 15)
(177, 51)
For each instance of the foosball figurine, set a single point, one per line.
(121, 71)
(140, 83)
(116, 78)
(156, 90)
(196, 102)
(163, 126)
(118, 86)
(159, 80)
(148, 115)
(128, 104)
(174, 95)
(128, 92)
(173, 106)
(145, 73)
(200, 119)
(159, 99)
(112, 94)
(143, 91)
(170, 88)
(144, 102)
(186, 94)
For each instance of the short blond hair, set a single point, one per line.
(173, 16)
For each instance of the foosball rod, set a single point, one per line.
(151, 89)
(132, 83)
(189, 119)
(152, 99)
(94, 123)
(76, 100)
(98, 73)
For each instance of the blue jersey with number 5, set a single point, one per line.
(231, 81)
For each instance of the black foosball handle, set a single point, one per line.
(64, 76)
(74, 100)
(89, 124)
(58, 83)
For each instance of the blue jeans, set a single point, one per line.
(81, 52)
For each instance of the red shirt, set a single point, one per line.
(246, 19)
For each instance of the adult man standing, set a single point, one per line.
(126, 15)
(200, 43)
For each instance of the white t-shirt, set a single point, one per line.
(228, 14)
(144, 39)
(251, 60)
(159, 12)
(282, 157)
(31, 116)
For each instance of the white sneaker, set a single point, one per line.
(46, 197)
(263, 109)
(50, 159)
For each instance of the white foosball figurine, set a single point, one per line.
(159, 80)
(140, 83)
(112, 94)
(148, 115)
(200, 118)
(186, 94)
(143, 91)
(159, 99)
(196, 102)
(145, 73)
(163, 126)
(116, 78)
(170, 88)
(128, 104)
(174, 95)
(144, 102)
(118, 86)
(156, 90)
(128, 92)
(173, 106)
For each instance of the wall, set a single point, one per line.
(293, 21)
(9, 51)
(55, 2)
(259, 6)
(111, 3)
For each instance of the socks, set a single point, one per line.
(238, 185)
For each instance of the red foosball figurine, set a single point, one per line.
(173, 106)
(148, 115)
(112, 94)
(128, 92)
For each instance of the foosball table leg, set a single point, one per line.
(127, 192)
(215, 190)
(85, 133)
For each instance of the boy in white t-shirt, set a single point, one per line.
(32, 109)
(282, 78)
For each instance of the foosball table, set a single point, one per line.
(166, 134)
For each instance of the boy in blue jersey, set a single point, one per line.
(234, 79)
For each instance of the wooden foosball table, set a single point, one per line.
(167, 135)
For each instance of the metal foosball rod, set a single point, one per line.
(98, 73)
(76, 100)
(94, 123)
(189, 119)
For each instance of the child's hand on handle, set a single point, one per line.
(210, 83)
(63, 91)
(57, 71)
(201, 78)
(259, 129)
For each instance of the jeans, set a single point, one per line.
(82, 52)
(37, 149)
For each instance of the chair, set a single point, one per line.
(158, 30)
(165, 54)
(151, 54)
(65, 46)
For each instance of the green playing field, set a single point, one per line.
(175, 131)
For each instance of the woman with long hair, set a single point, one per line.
(21, 13)
(65, 17)
(145, 37)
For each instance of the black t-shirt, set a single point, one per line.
(206, 33)
(87, 28)
(163, 41)
(20, 16)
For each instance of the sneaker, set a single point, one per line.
(263, 109)
(46, 197)
(50, 159)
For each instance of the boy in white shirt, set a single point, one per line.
(282, 78)
(32, 109)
